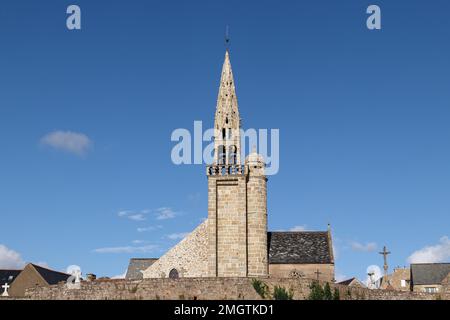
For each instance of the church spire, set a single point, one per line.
(227, 122)
(227, 105)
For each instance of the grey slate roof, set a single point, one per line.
(429, 273)
(8, 276)
(137, 265)
(347, 282)
(302, 247)
(51, 276)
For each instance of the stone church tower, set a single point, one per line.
(233, 241)
(237, 195)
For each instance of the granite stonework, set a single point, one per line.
(206, 289)
(187, 257)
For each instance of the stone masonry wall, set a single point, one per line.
(188, 257)
(257, 225)
(227, 251)
(204, 289)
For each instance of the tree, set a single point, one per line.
(316, 292)
(327, 292)
(280, 293)
(336, 294)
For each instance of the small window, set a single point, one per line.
(221, 157)
(431, 289)
(403, 283)
(233, 155)
(173, 274)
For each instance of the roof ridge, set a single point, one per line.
(10, 270)
(48, 269)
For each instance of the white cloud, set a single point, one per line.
(139, 241)
(72, 142)
(127, 249)
(298, 228)
(10, 259)
(135, 216)
(432, 254)
(123, 213)
(368, 247)
(165, 213)
(177, 236)
(150, 228)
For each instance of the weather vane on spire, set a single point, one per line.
(227, 37)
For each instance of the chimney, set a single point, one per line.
(91, 277)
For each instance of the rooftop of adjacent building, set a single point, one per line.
(8, 275)
(137, 265)
(429, 273)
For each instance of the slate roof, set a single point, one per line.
(347, 282)
(429, 273)
(8, 276)
(136, 265)
(302, 247)
(51, 276)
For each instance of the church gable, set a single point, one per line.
(187, 259)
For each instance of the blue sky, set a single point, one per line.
(363, 118)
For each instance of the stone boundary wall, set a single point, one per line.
(205, 289)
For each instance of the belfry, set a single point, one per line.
(237, 210)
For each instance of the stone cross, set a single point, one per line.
(371, 284)
(77, 274)
(6, 287)
(318, 273)
(385, 253)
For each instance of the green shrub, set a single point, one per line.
(316, 292)
(280, 293)
(327, 292)
(336, 294)
(261, 288)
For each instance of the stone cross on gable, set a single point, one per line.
(318, 273)
(5, 293)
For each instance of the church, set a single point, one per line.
(233, 241)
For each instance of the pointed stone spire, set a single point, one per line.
(227, 122)
(227, 112)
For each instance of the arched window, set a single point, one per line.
(221, 157)
(233, 155)
(173, 274)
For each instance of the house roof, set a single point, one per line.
(51, 276)
(429, 273)
(347, 282)
(137, 265)
(7, 276)
(302, 247)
